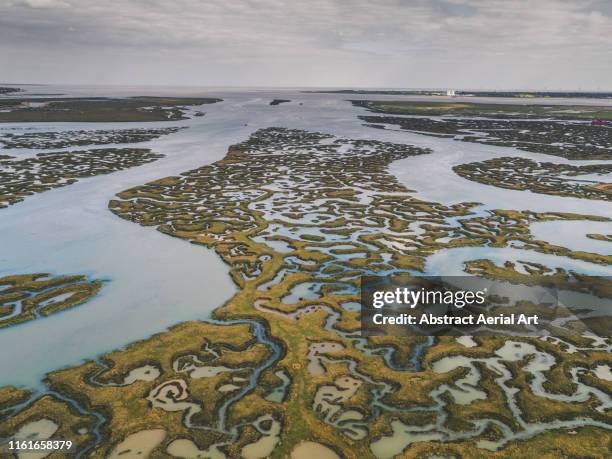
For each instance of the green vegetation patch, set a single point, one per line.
(516, 173)
(98, 110)
(32, 296)
(20, 178)
(501, 111)
(62, 139)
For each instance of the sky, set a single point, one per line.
(470, 44)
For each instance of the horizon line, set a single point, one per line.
(349, 88)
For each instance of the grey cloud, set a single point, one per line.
(478, 43)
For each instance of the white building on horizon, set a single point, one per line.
(450, 93)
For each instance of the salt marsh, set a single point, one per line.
(294, 217)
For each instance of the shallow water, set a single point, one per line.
(467, 341)
(450, 261)
(310, 449)
(279, 393)
(603, 372)
(139, 444)
(304, 290)
(572, 234)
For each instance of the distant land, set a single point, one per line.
(6, 90)
(519, 94)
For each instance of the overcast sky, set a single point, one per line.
(494, 44)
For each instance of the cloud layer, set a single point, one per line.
(381, 43)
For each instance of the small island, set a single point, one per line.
(26, 297)
(279, 101)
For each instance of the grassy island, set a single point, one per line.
(98, 109)
(27, 297)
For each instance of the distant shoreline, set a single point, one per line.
(516, 94)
